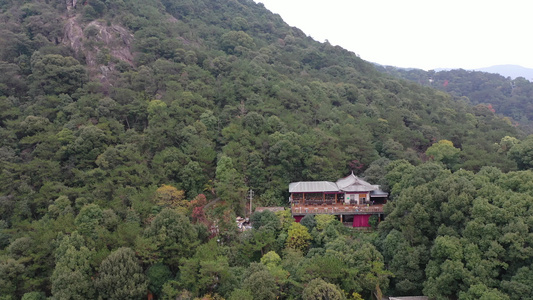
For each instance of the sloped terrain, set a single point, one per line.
(121, 119)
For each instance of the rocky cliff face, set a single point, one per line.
(101, 45)
(71, 4)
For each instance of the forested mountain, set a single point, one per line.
(120, 120)
(509, 97)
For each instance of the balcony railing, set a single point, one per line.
(336, 209)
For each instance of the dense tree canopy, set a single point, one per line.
(490, 92)
(132, 131)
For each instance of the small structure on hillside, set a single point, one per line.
(350, 198)
(243, 224)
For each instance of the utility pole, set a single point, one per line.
(250, 196)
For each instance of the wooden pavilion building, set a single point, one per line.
(351, 199)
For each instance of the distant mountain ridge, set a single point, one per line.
(509, 95)
(512, 71)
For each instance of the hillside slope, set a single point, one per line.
(511, 98)
(189, 85)
(120, 119)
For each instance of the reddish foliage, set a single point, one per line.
(199, 200)
(198, 215)
(356, 164)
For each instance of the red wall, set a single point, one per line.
(297, 219)
(361, 220)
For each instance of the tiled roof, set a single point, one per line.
(349, 183)
(360, 188)
(352, 180)
(312, 187)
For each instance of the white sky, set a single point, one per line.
(423, 34)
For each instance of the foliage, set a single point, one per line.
(263, 285)
(298, 237)
(120, 276)
(520, 152)
(318, 289)
(132, 130)
(207, 272)
(172, 235)
(266, 220)
(322, 221)
(445, 152)
(491, 92)
(88, 220)
(169, 196)
(457, 223)
(309, 222)
(72, 274)
(157, 276)
(55, 74)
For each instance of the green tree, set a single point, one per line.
(34, 296)
(266, 220)
(120, 276)
(229, 183)
(61, 206)
(406, 262)
(506, 143)
(56, 74)
(285, 218)
(309, 222)
(157, 276)
(89, 143)
(445, 152)
(236, 42)
(88, 220)
(271, 258)
(364, 265)
(522, 153)
(169, 196)
(13, 45)
(207, 272)
(482, 292)
(239, 294)
(446, 271)
(11, 272)
(255, 243)
(322, 221)
(318, 289)
(71, 278)
(298, 237)
(173, 235)
(262, 285)
(518, 286)
(323, 266)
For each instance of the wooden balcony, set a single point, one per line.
(337, 209)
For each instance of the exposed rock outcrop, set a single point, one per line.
(100, 44)
(71, 4)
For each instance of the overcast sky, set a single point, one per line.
(422, 34)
